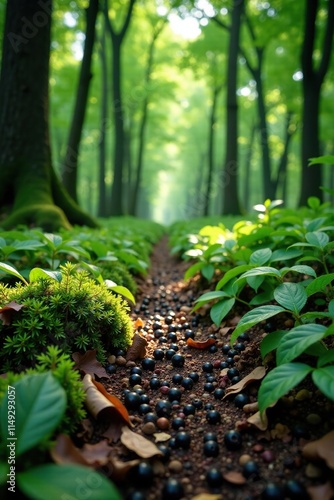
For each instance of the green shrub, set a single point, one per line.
(118, 272)
(76, 314)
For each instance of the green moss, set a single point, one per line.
(76, 314)
(48, 217)
(119, 273)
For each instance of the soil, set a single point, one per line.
(303, 416)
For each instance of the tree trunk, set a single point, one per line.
(211, 149)
(102, 203)
(116, 205)
(248, 162)
(281, 178)
(28, 184)
(230, 172)
(312, 82)
(70, 163)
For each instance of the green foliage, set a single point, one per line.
(75, 314)
(62, 369)
(38, 402)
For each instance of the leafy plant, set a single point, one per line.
(39, 402)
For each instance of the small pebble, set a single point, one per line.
(120, 361)
(303, 394)
(268, 456)
(163, 423)
(149, 428)
(243, 459)
(313, 419)
(175, 466)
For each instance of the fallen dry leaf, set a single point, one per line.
(92, 455)
(234, 477)
(201, 345)
(259, 421)
(139, 323)
(115, 401)
(257, 374)
(321, 449)
(135, 442)
(138, 348)
(7, 311)
(118, 470)
(87, 363)
(161, 437)
(321, 492)
(207, 496)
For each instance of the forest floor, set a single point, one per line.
(274, 455)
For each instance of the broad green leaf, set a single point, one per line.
(40, 403)
(262, 298)
(324, 380)
(280, 381)
(317, 238)
(316, 224)
(11, 270)
(262, 271)
(308, 270)
(325, 359)
(255, 281)
(99, 248)
(317, 349)
(208, 271)
(253, 317)
(297, 340)
(37, 273)
(122, 290)
(316, 161)
(257, 235)
(309, 317)
(27, 245)
(232, 273)
(211, 250)
(53, 239)
(260, 257)
(67, 482)
(319, 284)
(220, 310)
(270, 342)
(193, 270)
(283, 254)
(292, 296)
(331, 308)
(206, 297)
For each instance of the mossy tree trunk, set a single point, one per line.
(30, 191)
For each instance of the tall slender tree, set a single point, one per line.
(30, 191)
(117, 39)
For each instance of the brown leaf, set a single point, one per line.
(115, 401)
(7, 311)
(97, 454)
(257, 374)
(87, 363)
(139, 323)
(135, 442)
(118, 470)
(207, 496)
(234, 477)
(201, 345)
(161, 437)
(138, 348)
(321, 492)
(259, 421)
(87, 429)
(321, 449)
(64, 451)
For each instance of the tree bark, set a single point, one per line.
(70, 162)
(29, 188)
(116, 205)
(312, 83)
(281, 178)
(230, 171)
(102, 203)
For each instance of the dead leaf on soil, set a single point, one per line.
(321, 449)
(260, 421)
(135, 442)
(87, 363)
(118, 470)
(257, 374)
(234, 477)
(207, 496)
(92, 455)
(6, 312)
(161, 437)
(139, 323)
(87, 429)
(201, 345)
(114, 401)
(138, 348)
(322, 492)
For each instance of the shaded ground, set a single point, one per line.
(164, 303)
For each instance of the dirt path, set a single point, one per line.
(196, 408)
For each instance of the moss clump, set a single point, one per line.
(119, 273)
(62, 368)
(75, 314)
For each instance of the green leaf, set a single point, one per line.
(255, 316)
(232, 273)
(331, 308)
(11, 270)
(309, 317)
(260, 257)
(53, 240)
(193, 270)
(206, 297)
(279, 382)
(122, 290)
(262, 271)
(27, 244)
(319, 284)
(40, 403)
(308, 270)
(326, 358)
(270, 342)
(316, 224)
(292, 296)
(297, 340)
(262, 298)
(67, 482)
(38, 273)
(317, 349)
(220, 310)
(316, 161)
(255, 281)
(317, 239)
(324, 380)
(208, 271)
(282, 254)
